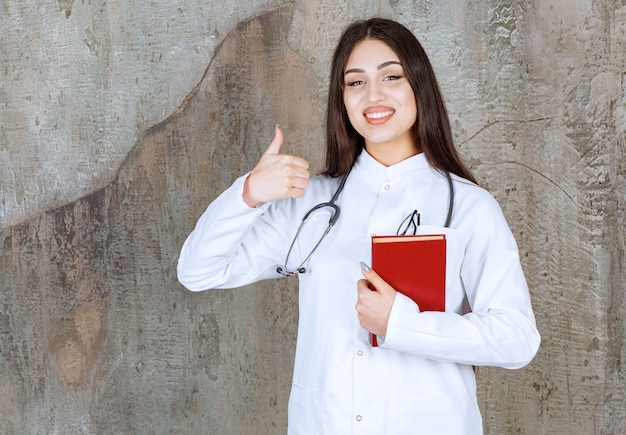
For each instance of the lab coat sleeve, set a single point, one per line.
(500, 330)
(224, 249)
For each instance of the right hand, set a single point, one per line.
(276, 176)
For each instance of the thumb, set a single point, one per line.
(274, 146)
(377, 283)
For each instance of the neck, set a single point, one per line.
(389, 154)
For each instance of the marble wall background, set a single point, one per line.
(120, 121)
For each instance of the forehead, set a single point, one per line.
(370, 52)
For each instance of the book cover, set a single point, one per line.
(415, 266)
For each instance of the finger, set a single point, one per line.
(362, 285)
(377, 283)
(290, 175)
(292, 162)
(274, 146)
(299, 183)
(295, 187)
(299, 171)
(301, 163)
(295, 192)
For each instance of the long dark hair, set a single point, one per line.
(431, 131)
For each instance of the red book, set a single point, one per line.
(415, 266)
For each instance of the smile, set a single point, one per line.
(378, 115)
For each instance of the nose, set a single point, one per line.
(375, 91)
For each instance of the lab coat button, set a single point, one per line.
(387, 187)
(359, 418)
(359, 352)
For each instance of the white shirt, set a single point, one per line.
(420, 380)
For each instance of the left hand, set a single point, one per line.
(374, 303)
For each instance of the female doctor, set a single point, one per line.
(391, 167)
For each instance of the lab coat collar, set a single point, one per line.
(374, 172)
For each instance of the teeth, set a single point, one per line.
(378, 115)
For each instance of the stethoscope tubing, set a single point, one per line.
(335, 216)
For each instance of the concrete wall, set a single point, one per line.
(120, 121)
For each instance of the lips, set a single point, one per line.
(378, 115)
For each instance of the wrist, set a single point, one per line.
(247, 198)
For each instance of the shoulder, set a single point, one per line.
(474, 204)
(471, 192)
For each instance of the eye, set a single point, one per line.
(353, 83)
(391, 77)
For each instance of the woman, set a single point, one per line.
(389, 153)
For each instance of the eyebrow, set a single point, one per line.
(379, 67)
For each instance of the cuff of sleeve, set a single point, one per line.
(402, 306)
(238, 186)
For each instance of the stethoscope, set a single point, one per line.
(335, 211)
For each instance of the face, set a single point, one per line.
(380, 102)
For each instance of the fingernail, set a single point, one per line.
(364, 267)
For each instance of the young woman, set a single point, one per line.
(389, 156)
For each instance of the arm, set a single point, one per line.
(238, 238)
(500, 330)
(214, 254)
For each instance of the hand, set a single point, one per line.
(374, 302)
(276, 176)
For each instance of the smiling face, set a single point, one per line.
(380, 102)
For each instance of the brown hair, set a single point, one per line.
(431, 130)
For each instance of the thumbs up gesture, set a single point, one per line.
(276, 176)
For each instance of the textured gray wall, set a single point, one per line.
(120, 121)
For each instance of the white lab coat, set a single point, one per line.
(420, 380)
